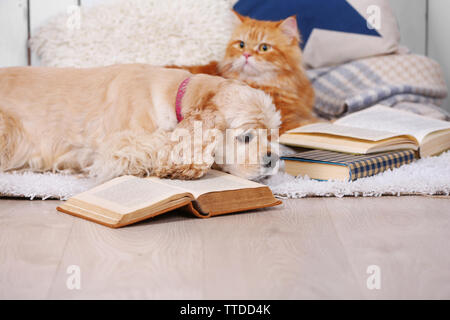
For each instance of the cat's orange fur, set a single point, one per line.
(278, 71)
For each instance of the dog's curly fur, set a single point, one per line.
(117, 120)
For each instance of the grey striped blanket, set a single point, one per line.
(404, 81)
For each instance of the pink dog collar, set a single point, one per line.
(180, 94)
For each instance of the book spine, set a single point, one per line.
(377, 164)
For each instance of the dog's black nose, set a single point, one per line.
(270, 160)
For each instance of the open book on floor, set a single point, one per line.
(128, 199)
(376, 129)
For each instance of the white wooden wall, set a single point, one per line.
(20, 18)
(412, 20)
(424, 27)
(438, 36)
(13, 32)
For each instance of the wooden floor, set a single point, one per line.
(307, 248)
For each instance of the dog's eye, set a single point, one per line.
(264, 47)
(245, 138)
(242, 44)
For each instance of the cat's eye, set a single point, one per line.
(264, 47)
(242, 44)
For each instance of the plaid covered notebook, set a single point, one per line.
(330, 165)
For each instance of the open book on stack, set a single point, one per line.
(364, 143)
(376, 129)
(128, 199)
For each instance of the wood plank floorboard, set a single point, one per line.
(316, 248)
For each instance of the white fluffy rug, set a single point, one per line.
(43, 185)
(430, 176)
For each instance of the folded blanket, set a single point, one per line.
(389, 80)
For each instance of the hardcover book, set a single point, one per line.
(329, 165)
(128, 199)
(376, 129)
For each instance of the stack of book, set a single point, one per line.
(364, 143)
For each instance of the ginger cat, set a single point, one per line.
(267, 56)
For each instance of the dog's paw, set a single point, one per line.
(182, 172)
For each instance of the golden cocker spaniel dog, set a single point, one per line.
(131, 119)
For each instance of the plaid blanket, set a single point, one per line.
(405, 81)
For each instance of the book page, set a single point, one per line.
(128, 193)
(397, 121)
(345, 131)
(213, 181)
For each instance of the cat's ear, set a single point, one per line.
(289, 27)
(238, 18)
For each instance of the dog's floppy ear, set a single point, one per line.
(205, 110)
